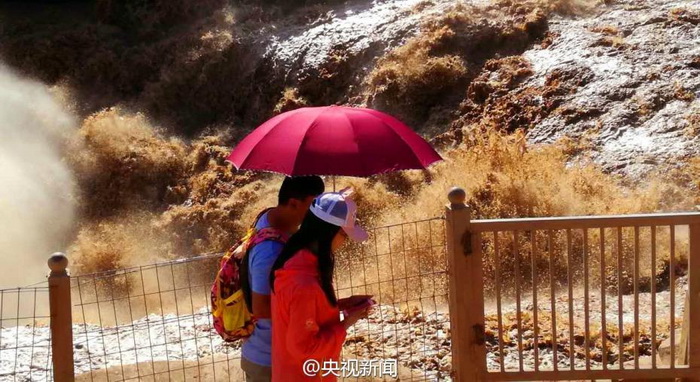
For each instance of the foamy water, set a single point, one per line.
(643, 73)
(357, 28)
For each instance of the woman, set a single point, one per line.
(306, 323)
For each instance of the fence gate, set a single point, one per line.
(575, 298)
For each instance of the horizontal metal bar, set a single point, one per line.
(24, 290)
(579, 222)
(24, 319)
(416, 276)
(115, 373)
(439, 246)
(551, 375)
(140, 296)
(122, 271)
(208, 256)
(114, 369)
(437, 218)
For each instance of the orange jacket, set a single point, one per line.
(305, 326)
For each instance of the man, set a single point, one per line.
(294, 199)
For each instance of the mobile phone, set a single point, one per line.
(363, 305)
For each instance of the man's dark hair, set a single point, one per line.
(300, 187)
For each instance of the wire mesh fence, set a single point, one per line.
(150, 323)
(404, 267)
(562, 301)
(25, 336)
(154, 322)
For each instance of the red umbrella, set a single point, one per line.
(333, 140)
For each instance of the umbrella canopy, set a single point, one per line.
(333, 140)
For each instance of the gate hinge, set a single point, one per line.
(479, 334)
(467, 243)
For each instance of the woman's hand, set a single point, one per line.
(355, 316)
(350, 302)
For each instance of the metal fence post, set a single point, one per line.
(692, 308)
(682, 355)
(466, 290)
(61, 319)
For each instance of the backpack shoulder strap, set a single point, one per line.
(265, 234)
(246, 241)
(268, 234)
(257, 218)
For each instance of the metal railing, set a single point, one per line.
(468, 300)
(153, 322)
(562, 298)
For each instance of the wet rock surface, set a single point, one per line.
(641, 85)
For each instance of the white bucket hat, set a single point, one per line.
(339, 209)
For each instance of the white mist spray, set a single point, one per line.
(36, 186)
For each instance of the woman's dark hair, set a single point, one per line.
(315, 235)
